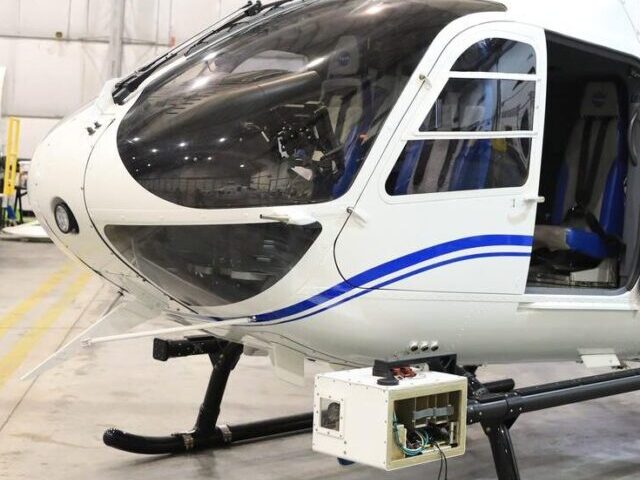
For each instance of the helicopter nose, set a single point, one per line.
(55, 186)
(56, 183)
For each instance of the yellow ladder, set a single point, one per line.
(10, 172)
(11, 162)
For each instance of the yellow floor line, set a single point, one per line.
(17, 313)
(14, 358)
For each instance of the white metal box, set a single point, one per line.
(354, 417)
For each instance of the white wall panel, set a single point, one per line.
(50, 84)
(98, 19)
(189, 17)
(44, 17)
(10, 14)
(192, 16)
(78, 21)
(7, 58)
(141, 21)
(95, 69)
(135, 56)
(229, 6)
(164, 21)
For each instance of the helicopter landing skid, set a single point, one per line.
(494, 405)
(498, 413)
(206, 434)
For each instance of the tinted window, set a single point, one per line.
(284, 111)
(498, 55)
(211, 265)
(471, 105)
(427, 166)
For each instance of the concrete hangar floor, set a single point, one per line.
(51, 427)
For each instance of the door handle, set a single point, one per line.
(537, 199)
(298, 219)
(363, 217)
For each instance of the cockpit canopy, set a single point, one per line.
(284, 109)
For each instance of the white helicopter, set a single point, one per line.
(348, 180)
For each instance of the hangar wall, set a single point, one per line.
(57, 51)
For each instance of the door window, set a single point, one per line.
(478, 133)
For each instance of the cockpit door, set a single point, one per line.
(451, 206)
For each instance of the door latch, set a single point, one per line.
(536, 199)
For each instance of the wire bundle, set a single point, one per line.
(422, 445)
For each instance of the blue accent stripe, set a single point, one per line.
(396, 265)
(410, 274)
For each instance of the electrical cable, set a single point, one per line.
(442, 457)
(440, 471)
(410, 452)
(423, 445)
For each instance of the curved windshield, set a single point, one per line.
(284, 111)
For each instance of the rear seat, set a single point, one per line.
(588, 208)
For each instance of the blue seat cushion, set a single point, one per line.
(587, 243)
(559, 237)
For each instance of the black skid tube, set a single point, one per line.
(508, 406)
(221, 436)
(225, 435)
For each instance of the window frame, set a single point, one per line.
(434, 83)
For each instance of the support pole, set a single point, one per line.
(116, 38)
(498, 412)
(223, 363)
(504, 455)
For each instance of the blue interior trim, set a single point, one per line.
(613, 198)
(612, 209)
(458, 169)
(413, 152)
(557, 214)
(396, 265)
(471, 167)
(351, 156)
(354, 143)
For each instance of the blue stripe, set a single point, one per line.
(396, 265)
(407, 275)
